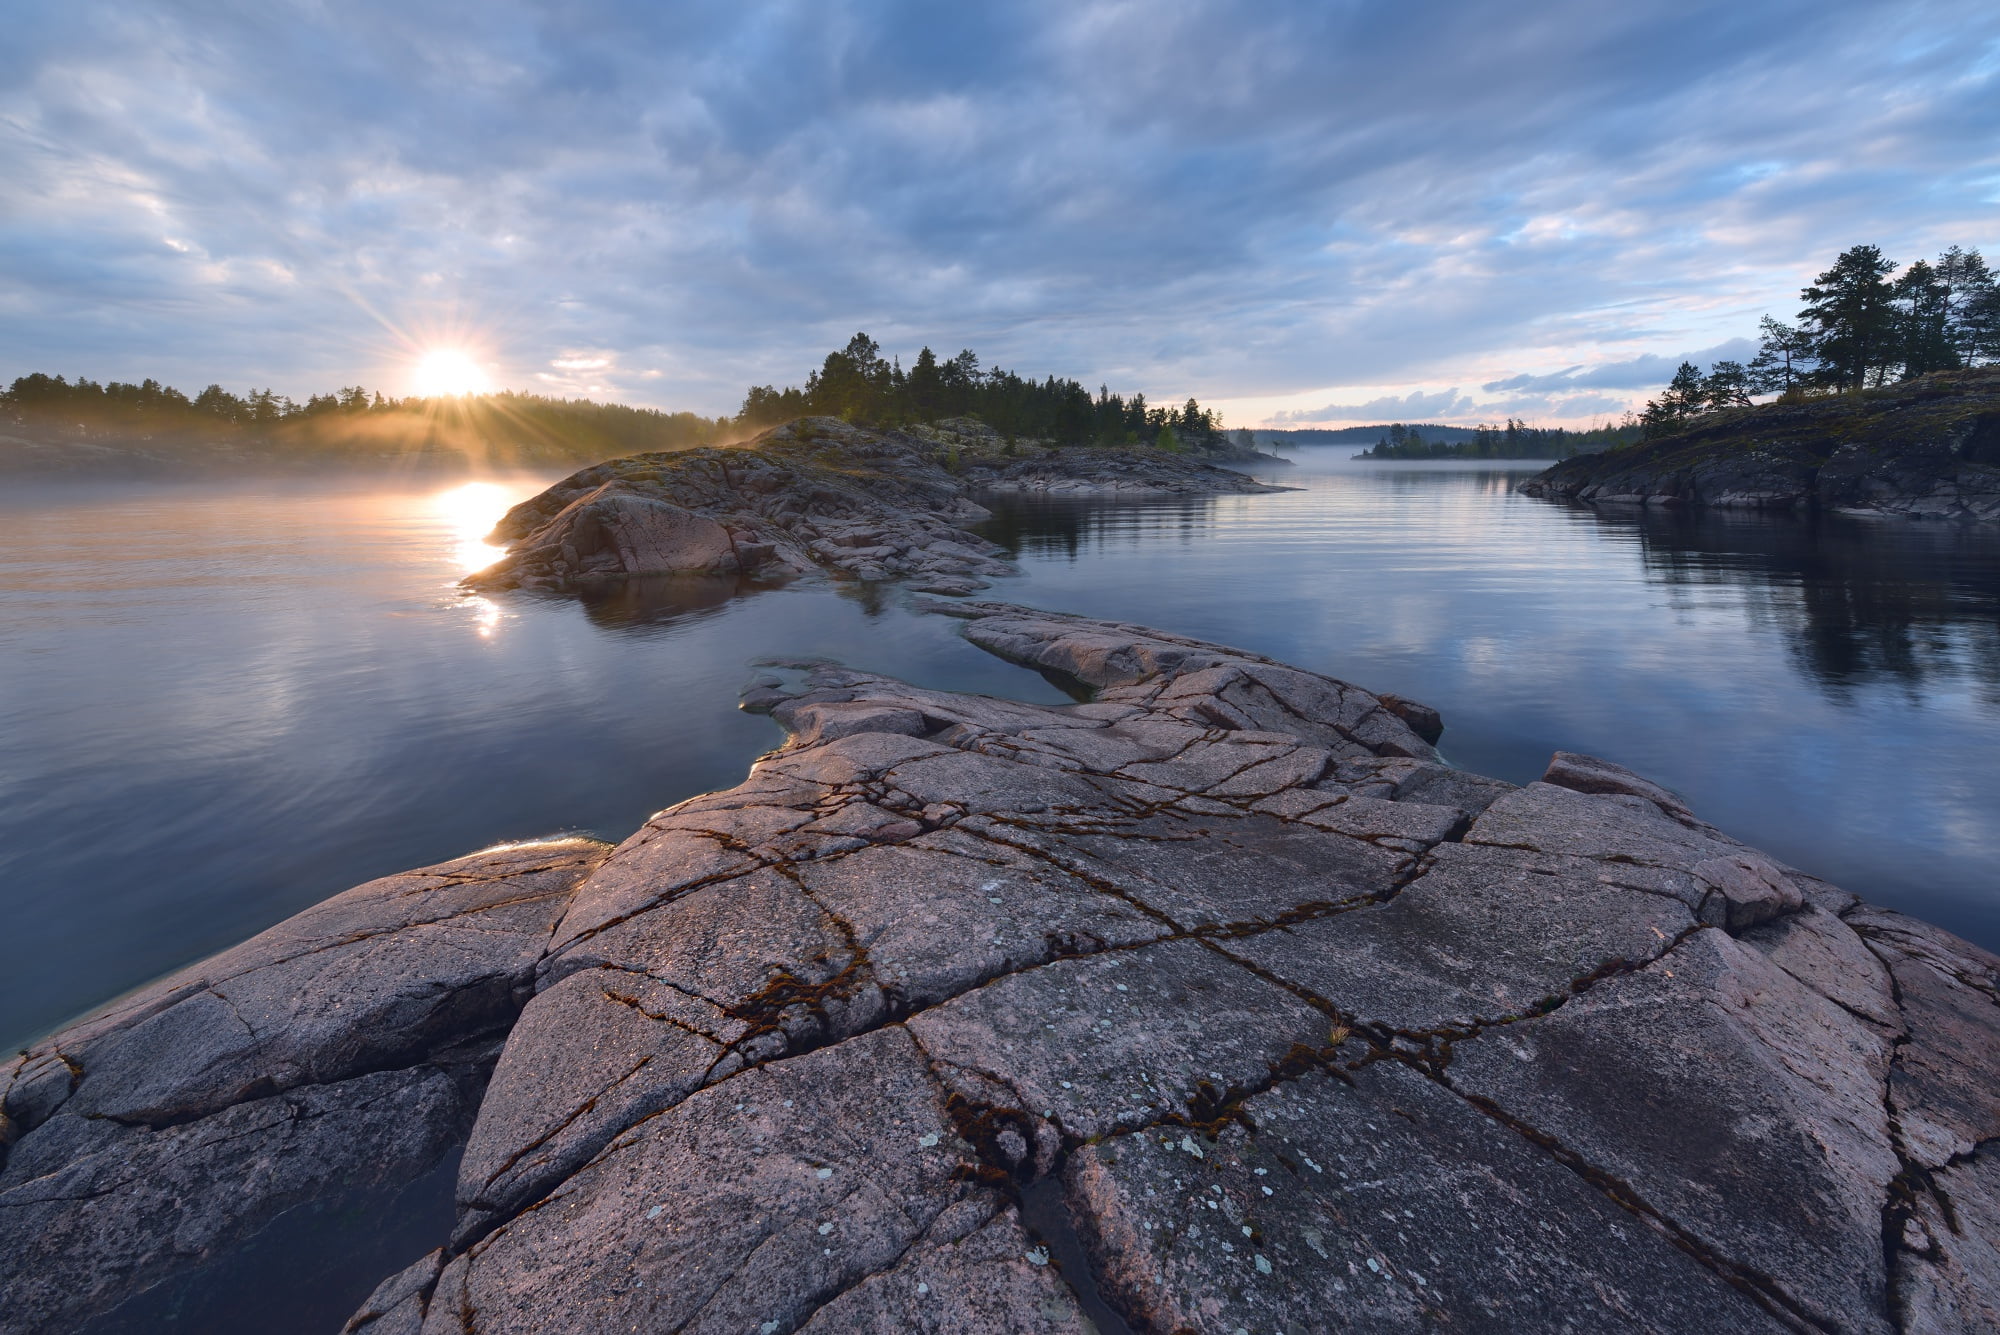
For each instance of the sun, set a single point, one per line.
(448, 371)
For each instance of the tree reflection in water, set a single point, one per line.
(1859, 601)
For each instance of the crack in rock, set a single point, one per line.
(1213, 1001)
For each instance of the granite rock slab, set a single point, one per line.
(1218, 1001)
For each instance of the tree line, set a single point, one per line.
(856, 383)
(544, 427)
(1516, 440)
(859, 384)
(1862, 325)
(150, 402)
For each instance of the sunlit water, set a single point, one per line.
(221, 705)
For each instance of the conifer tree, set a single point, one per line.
(1974, 305)
(1784, 359)
(1851, 312)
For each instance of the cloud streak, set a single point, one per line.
(1258, 203)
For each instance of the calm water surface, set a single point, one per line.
(221, 705)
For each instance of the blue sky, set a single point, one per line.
(1320, 212)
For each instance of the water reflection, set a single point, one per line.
(1067, 526)
(658, 603)
(1859, 601)
(221, 705)
(1776, 671)
(471, 510)
(1916, 605)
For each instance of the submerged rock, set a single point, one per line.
(1928, 448)
(813, 494)
(1218, 1002)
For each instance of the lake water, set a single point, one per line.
(219, 705)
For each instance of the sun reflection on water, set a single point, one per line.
(469, 512)
(486, 615)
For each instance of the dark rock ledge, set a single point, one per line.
(1927, 448)
(815, 494)
(1215, 1004)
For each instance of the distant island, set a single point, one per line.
(1516, 440)
(858, 385)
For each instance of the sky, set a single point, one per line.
(1302, 213)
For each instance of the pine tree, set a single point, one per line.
(1923, 319)
(1851, 312)
(1684, 396)
(1974, 301)
(1727, 385)
(926, 389)
(1784, 359)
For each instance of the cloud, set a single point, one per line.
(1210, 197)
(1416, 406)
(1646, 371)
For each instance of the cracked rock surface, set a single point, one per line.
(341, 1052)
(1217, 1003)
(813, 494)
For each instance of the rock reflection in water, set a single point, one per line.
(659, 602)
(1054, 525)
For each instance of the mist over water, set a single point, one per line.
(223, 704)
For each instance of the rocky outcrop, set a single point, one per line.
(331, 1059)
(1926, 449)
(1118, 474)
(812, 494)
(979, 445)
(1218, 1002)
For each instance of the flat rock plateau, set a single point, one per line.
(815, 494)
(1928, 448)
(1217, 1003)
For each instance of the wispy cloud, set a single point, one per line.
(1415, 406)
(1260, 203)
(1644, 371)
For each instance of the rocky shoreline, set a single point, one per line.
(1925, 449)
(815, 494)
(1218, 1002)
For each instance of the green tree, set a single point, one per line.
(1852, 315)
(1923, 318)
(926, 387)
(1684, 396)
(1784, 359)
(1727, 385)
(1974, 301)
